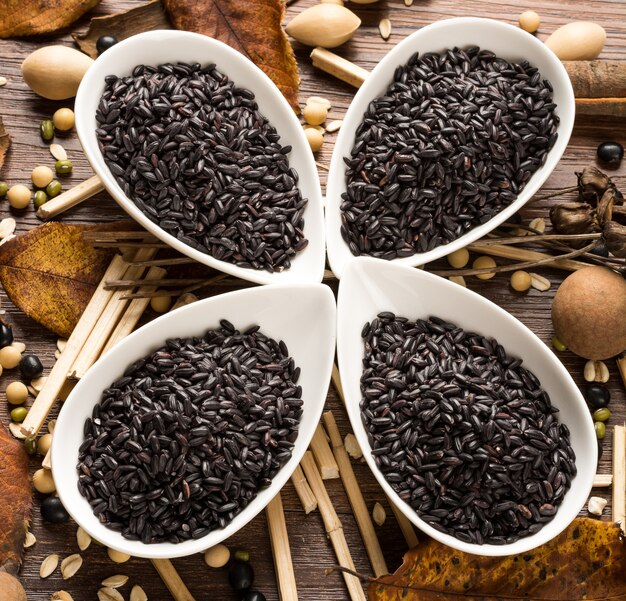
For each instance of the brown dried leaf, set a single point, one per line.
(254, 27)
(16, 499)
(34, 17)
(5, 142)
(146, 17)
(586, 561)
(50, 273)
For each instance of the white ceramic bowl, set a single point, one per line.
(303, 315)
(511, 43)
(370, 286)
(157, 47)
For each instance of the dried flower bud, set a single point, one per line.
(615, 238)
(605, 206)
(573, 218)
(592, 183)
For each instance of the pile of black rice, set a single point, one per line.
(454, 140)
(182, 442)
(196, 156)
(462, 431)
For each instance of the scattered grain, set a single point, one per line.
(334, 126)
(29, 539)
(70, 565)
(384, 27)
(538, 282)
(109, 594)
(115, 581)
(379, 515)
(58, 152)
(48, 565)
(83, 539)
(117, 556)
(138, 594)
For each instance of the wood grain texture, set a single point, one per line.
(22, 111)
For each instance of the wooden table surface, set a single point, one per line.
(22, 112)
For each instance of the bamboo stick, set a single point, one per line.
(520, 254)
(405, 526)
(281, 551)
(115, 235)
(337, 383)
(338, 67)
(355, 496)
(303, 490)
(603, 480)
(621, 366)
(619, 476)
(55, 380)
(129, 282)
(323, 455)
(71, 198)
(133, 312)
(172, 580)
(109, 318)
(333, 526)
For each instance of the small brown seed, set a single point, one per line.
(484, 262)
(138, 594)
(83, 539)
(109, 594)
(70, 565)
(117, 556)
(385, 28)
(43, 444)
(58, 152)
(538, 282)
(379, 515)
(61, 596)
(115, 581)
(539, 224)
(48, 565)
(29, 539)
(43, 481)
(408, 2)
(217, 556)
(352, 446)
(334, 126)
(521, 281)
(3, 81)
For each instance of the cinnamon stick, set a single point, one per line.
(333, 526)
(355, 496)
(57, 376)
(337, 383)
(600, 107)
(281, 551)
(597, 79)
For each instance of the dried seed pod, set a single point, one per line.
(83, 539)
(615, 238)
(325, 25)
(379, 515)
(115, 581)
(48, 565)
(574, 218)
(138, 594)
(109, 594)
(70, 565)
(592, 183)
(605, 206)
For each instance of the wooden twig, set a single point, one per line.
(105, 325)
(337, 383)
(165, 262)
(115, 235)
(405, 526)
(127, 244)
(129, 283)
(355, 496)
(281, 551)
(179, 291)
(71, 198)
(539, 238)
(323, 455)
(333, 526)
(172, 580)
(603, 481)
(134, 311)
(57, 376)
(303, 490)
(619, 476)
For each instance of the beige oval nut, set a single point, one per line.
(61, 596)
(117, 556)
(384, 27)
(138, 594)
(70, 565)
(48, 565)
(83, 539)
(29, 539)
(58, 152)
(334, 126)
(115, 581)
(7, 227)
(577, 41)
(325, 25)
(538, 282)
(379, 515)
(319, 100)
(109, 594)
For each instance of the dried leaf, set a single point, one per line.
(16, 498)
(253, 27)
(586, 561)
(5, 142)
(34, 17)
(146, 17)
(50, 273)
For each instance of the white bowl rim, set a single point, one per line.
(345, 347)
(338, 252)
(165, 550)
(94, 79)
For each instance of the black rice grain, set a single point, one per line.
(454, 140)
(196, 156)
(182, 442)
(462, 431)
